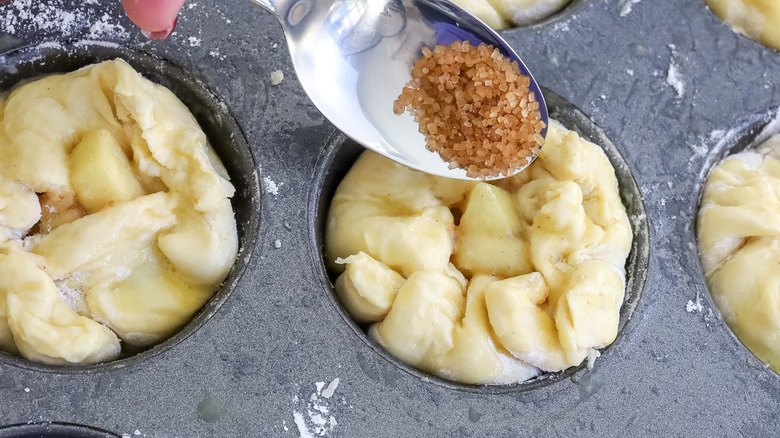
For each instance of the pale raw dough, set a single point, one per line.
(115, 218)
(500, 14)
(739, 245)
(757, 19)
(484, 283)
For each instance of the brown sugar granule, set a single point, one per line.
(475, 108)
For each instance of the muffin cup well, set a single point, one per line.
(222, 130)
(341, 152)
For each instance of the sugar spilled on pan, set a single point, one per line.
(316, 419)
(63, 18)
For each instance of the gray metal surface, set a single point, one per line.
(671, 86)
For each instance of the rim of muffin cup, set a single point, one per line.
(53, 429)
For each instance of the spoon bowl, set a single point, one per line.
(353, 58)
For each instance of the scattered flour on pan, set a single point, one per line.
(328, 392)
(61, 16)
(50, 45)
(699, 147)
(771, 128)
(270, 186)
(717, 134)
(88, 43)
(561, 27)
(215, 54)
(300, 422)
(674, 79)
(694, 306)
(637, 219)
(673, 76)
(316, 419)
(593, 354)
(103, 27)
(702, 145)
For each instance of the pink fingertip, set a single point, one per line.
(158, 35)
(157, 18)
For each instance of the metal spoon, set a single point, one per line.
(353, 58)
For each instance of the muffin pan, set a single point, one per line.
(664, 86)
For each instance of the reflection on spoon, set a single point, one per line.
(353, 57)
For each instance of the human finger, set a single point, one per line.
(156, 18)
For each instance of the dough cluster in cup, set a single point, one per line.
(739, 244)
(115, 218)
(484, 283)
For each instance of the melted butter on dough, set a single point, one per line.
(117, 194)
(757, 19)
(739, 245)
(484, 283)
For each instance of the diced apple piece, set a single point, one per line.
(488, 235)
(100, 172)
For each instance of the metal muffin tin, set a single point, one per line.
(664, 86)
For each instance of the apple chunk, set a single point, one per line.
(100, 172)
(488, 236)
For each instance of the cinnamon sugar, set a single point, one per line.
(475, 108)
